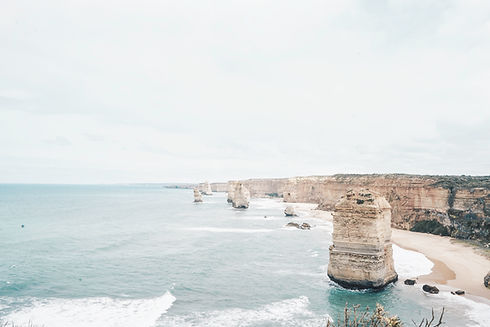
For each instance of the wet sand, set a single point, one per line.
(456, 265)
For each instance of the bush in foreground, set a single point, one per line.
(379, 318)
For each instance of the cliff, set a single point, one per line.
(361, 255)
(461, 203)
(219, 187)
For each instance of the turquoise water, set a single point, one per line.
(132, 255)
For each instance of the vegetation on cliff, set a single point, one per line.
(430, 227)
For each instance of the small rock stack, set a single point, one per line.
(205, 188)
(361, 255)
(197, 195)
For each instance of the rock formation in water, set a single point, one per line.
(361, 255)
(486, 280)
(430, 289)
(460, 203)
(205, 188)
(289, 211)
(241, 196)
(231, 191)
(197, 195)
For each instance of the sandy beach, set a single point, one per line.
(456, 265)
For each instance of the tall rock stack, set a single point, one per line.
(231, 191)
(241, 196)
(361, 255)
(197, 195)
(205, 188)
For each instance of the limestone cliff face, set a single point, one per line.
(460, 202)
(241, 196)
(265, 187)
(219, 187)
(361, 255)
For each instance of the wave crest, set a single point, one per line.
(92, 312)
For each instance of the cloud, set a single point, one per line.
(190, 90)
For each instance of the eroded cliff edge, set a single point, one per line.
(460, 203)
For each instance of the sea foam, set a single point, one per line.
(92, 312)
(229, 230)
(410, 263)
(282, 313)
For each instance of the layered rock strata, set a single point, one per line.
(461, 203)
(361, 255)
(219, 187)
(241, 196)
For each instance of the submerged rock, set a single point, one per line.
(458, 292)
(361, 255)
(290, 212)
(409, 282)
(241, 196)
(197, 195)
(298, 226)
(430, 289)
(486, 280)
(305, 226)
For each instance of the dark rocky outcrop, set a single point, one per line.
(409, 282)
(430, 289)
(486, 280)
(431, 227)
(292, 224)
(305, 226)
(458, 292)
(298, 226)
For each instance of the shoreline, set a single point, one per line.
(456, 265)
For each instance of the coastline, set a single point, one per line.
(456, 265)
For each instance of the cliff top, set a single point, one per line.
(445, 181)
(364, 198)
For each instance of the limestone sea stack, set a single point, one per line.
(361, 255)
(241, 196)
(206, 188)
(231, 191)
(197, 195)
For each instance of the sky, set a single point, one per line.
(185, 91)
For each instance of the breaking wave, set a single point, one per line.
(91, 312)
(290, 312)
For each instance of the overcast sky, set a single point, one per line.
(166, 91)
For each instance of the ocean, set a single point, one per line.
(145, 255)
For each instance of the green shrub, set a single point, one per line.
(430, 227)
(379, 318)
